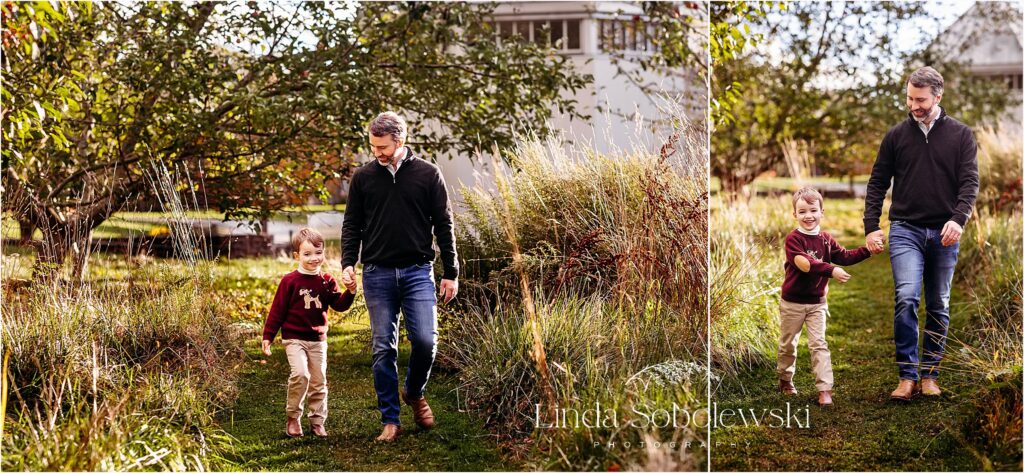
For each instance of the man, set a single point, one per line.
(394, 204)
(930, 158)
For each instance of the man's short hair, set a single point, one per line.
(307, 234)
(389, 123)
(927, 77)
(809, 195)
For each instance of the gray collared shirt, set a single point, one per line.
(928, 127)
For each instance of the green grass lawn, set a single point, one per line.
(864, 431)
(459, 442)
(123, 224)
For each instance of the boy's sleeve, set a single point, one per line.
(278, 310)
(844, 257)
(818, 267)
(339, 301)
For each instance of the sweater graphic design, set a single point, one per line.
(813, 254)
(305, 293)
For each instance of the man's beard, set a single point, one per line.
(927, 113)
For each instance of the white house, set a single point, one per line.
(988, 38)
(621, 110)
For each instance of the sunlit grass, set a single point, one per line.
(614, 252)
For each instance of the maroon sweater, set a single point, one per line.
(300, 306)
(822, 251)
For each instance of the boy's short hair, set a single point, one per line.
(809, 195)
(307, 234)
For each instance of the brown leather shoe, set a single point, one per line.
(787, 388)
(930, 387)
(825, 398)
(390, 433)
(905, 391)
(293, 428)
(421, 412)
(319, 430)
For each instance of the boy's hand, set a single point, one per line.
(266, 347)
(875, 241)
(350, 287)
(348, 278)
(840, 274)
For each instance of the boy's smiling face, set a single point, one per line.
(808, 214)
(310, 257)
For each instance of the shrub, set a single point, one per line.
(613, 249)
(999, 170)
(116, 375)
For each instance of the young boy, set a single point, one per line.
(299, 311)
(810, 255)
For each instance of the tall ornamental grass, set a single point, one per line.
(115, 376)
(990, 350)
(613, 249)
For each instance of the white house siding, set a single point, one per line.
(608, 98)
(993, 48)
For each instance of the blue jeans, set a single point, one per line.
(411, 291)
(917, 254)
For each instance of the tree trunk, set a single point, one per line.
(27, 229)
(733, 183)
(50, 257)
(61, 240)
(80, 251)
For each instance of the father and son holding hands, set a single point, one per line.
(399, 205)
(930, 160)
(396, 208)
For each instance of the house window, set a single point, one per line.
(1011, 81)
(626, 35)
(563, 35)
(573, 33)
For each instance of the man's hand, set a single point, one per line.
(266, 347)
(875, 241)
(951, 232)
(449, 287)
(350, 286)
(840, 274)
(348, 278)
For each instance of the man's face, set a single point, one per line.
(920, 101)
(384, 148)
(808, 214)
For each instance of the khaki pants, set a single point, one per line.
(308, 361)
(792, 318)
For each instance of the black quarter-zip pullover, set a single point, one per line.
(396, 217)
(934, 177)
